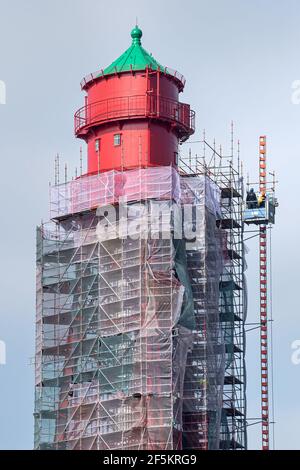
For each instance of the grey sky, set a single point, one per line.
(240, 59)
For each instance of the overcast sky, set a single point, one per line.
(240, 59)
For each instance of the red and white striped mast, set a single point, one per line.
(263, 284)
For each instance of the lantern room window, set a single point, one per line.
(97, 145)
(117, 139)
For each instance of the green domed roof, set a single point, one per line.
(134, 58)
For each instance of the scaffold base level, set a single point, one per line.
(136, 335)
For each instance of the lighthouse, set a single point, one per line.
(129, 350)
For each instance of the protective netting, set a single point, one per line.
(204, 376)
(88, 192)
(129, 346)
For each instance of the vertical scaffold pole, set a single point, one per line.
(263, 302)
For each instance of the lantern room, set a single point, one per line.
(132, 116)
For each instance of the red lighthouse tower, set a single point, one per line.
(132, 116)
(115, 309)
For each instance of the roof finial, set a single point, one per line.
(136, 35)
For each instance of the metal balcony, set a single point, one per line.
(137, 106)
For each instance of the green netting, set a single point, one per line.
(187, 316)
(227, 318)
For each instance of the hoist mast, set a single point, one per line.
(263, 293)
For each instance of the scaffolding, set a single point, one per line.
(228, 178)
(139, 324)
